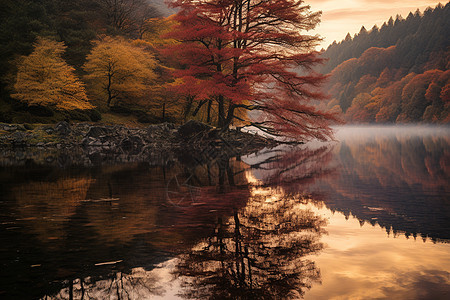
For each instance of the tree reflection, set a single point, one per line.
(397, 179)
(292, 168)
(258, 253)
(137, 284)
(67, 221)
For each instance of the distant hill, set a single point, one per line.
(396, 73)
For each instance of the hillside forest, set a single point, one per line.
(398, 73)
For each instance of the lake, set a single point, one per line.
(364, 217)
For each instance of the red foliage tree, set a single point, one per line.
(251, 55)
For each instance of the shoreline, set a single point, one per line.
(90, 144)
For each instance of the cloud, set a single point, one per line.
(351, 14)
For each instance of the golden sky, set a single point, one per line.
(342, 16)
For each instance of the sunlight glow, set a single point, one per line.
(341, 17)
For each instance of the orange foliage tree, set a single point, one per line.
(45, 79)
(118, 69)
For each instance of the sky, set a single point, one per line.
(342, 16)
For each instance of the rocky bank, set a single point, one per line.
(87, 144)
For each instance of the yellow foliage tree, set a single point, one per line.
(119, 69)
(156, 29)
(45, 79)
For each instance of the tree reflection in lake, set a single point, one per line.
(261, 252)
(230, 227)
(80, 232)
(137, 284)
(397, 177)
(58, 226)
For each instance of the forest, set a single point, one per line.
(121, 61)
(44, 48)
(398, 73)
(227, 63)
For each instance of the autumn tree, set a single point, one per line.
(118, 69)
(253, 56)
(45, 79)
(161, 100)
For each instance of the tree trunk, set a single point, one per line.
(208, 117)
(164, 112)
(230, 115)
(108, 88)
(188, 107)
(220, 101)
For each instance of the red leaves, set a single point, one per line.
(252, 52)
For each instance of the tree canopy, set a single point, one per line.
(243, 63)
(45, 79)
(117, 68)
(255, 56)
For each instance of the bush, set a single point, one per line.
(77, 114)
(94, 115)
(40, 111)
(5, 117)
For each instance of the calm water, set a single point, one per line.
(366, 217)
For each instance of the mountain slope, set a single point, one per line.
(398, 73)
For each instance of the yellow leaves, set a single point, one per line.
(157, 29)
(118, 68)
(45, 79)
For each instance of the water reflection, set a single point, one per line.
(258, 253)
(268, 225)
(77, 226)
(395, 177)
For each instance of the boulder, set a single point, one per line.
(192, 128)
(97, 131)
(10, 128)
(132, 144)
(49, 129)
(63, 128)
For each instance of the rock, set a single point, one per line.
(132, 144)
(169, 126)
(96, 143)
(19, 138)
(97, 131)
(9, 128)
(63, 128)
(191, 128)
(87, 140)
